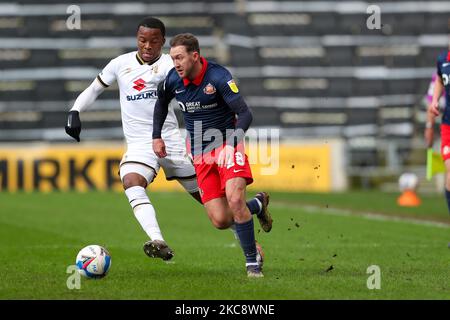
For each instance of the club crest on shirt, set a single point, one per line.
(209, 89)
(233, 86)
(155, 69)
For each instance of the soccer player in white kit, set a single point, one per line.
(138, 74)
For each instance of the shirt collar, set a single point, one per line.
(142, 62)
(200, 76)
(139, 59)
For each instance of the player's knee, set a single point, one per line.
(222, 223)
(236, 202)
(219, 217)
(236, 199)
(133, 180)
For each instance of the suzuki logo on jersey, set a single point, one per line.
(145, 95)
(139, 84)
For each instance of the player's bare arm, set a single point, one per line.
(433, 108)
(429, 129)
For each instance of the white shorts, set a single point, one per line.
(141, 159)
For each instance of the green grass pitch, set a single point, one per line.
(40, 235)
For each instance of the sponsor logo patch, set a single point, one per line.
(233, 86)
(139, 84)
(144, 95)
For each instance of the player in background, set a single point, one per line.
(441, 86)
(138, 74)
(212, 106)
(429, 125)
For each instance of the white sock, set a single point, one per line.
(259, 204)
(144, 212)
(146, 216)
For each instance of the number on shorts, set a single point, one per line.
(239, 158)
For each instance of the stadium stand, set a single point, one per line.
(311, 68)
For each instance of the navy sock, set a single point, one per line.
(246, 234)
(447, 197)
(253, 206)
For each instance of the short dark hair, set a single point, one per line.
(154, 23)
(186, 39)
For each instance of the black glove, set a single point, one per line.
(73, 125)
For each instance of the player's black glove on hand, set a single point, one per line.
(73, 125)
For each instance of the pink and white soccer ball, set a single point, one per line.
(93, 261)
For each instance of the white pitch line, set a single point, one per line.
(311, 209)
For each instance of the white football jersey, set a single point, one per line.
(138, 84)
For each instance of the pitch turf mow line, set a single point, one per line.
(311, 209)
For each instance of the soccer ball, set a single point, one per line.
(408, 181)
(93, 262)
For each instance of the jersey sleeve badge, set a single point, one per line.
(233, 86)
